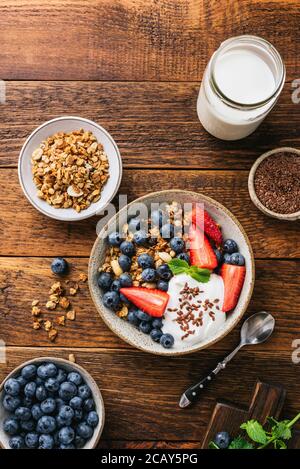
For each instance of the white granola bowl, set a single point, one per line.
(231, 228)
(69, 124)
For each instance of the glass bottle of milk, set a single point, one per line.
(240, 85)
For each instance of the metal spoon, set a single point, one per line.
(255, 330)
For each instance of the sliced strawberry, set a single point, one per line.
(153, 302)
(233, 277)
(201, 252)
(204, 221)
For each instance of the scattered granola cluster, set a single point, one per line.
(57, 300)
(70, 169)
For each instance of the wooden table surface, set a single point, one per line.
(135, 66)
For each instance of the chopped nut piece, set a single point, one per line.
(116, 267)
(50, 305)
(64, 302)
(73, 290)
(164, 256)
(35, 311)
(35, 302)
(72, 358)
(56, 288)
(82, 277)
(71, 315)
(36, 324)
(47, 325)
(52, 334)
(61, 320)
(123, 312)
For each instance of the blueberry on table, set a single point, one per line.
(67, 390)
(104, 280)
(66, 435)
(29, 372)
(36, 411)
(32, 440)
(125, 280)
(76, 402)
(12, 387)
(48, 406)
(16, 442)
(84, 430)
(156, 334)
(46, 424)
(74, 377)
(237, 259)
(88, 405)
(30, 389)
(222, 440)
(142, 316)
(132, 318)
(124, 262)
(145, 261)
(145, 327)
(127, 248)
(140, 237)
(23, 413)
(11, 426)
(10, 403)
(162, 285)
(167, 340)
(52, 385)
(167, 231)
(111, 300)
(115, 239)
(84, 391)
(230, 246)
(219, 256)
(164, 272)
(177, 244)
(116, 285)
(149, 275)
(183, 256)
(59, 266)
(92, 419)
(46, 442)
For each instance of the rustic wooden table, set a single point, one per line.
(135, 66)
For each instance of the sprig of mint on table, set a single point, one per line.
(259, 438)
(179, 266)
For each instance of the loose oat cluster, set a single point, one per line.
(70, 169)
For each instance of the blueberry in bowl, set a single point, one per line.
(67, 413)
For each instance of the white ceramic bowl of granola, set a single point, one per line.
(69, 124)
(231, 228)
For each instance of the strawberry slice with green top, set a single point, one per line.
(233, 277)
(201, 252)
(153, 302)
(204, 221)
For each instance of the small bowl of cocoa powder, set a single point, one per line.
(274, 183)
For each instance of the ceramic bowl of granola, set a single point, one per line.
(70, 168)
(172, 272)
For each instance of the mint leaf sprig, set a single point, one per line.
(179, 266)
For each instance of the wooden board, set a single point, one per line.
(266, 401)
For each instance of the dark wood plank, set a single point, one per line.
(25, 279)
(141, 391)
(41, 236)
(135, 39)
(154, 124)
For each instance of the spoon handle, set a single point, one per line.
(193, 393)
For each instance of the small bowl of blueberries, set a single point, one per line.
(50, 403)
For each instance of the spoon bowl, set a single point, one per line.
(257, 328)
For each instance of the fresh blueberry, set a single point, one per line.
(61, 376)
(183, 256)
(84, 391)
(157, 323)
(127, 248)
(125, 280)
(132, 318)
(104, 280)
(140, 237)
(219, 256)
(36, 411)
(59, 266)
(66, 413)
(145, 261)
(66, 435)
(115, 239)
(48, 406)
(23, 413)
(16, 442)
(12, 387)
(28, 426)
(78, 415)
(226, 258)
(67, 390)
(111, 300)
(22, 382)
(167, 231)
(46, 424)
(156, 218)
(32, 440)
(116, 285)
(124, 262)
(48, 370)
(222, 440)
(27, 401)
(177, 244)
(76, 402)
(10, 403)
(11, 426)
(46, 442)
(156, 334)
(162, 285)
(59, 402)
(134, 225)
(92, 419)
(88, 405)
(84, 430)
(149, 275)
(74, 377)
(145, 327)
(167, 340)
(237, 259)
(30, 389)
(142, 316)
(164, 272)
(61, 422)
(52, 385)
(230, 246)
(79, 442)
(70, 446)
(28, 372)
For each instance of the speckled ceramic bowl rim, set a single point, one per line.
(252, 192)
(80, 369)
(76, 216)
(234, 323)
